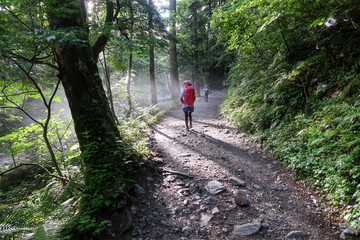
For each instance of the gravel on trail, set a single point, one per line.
(213, 182)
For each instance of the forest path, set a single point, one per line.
(172, 201)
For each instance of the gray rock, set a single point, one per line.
(215, 211)
(343, 226)
(342, 235)
(205, 218)
(350, 232)
(139, 190)
(169, 179)
(237, 182)
(265, 225)
(187, 231)
(251, 152)
(258, 186)
(247, 229)
(215, 187)
(347, 230)
(240, 170)
(241, 198)
(298, 235)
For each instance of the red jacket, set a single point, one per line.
(190, 96)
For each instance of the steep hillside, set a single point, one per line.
(295, 85)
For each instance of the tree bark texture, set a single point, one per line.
(107, 161)
(128, 84)
(108, 88)
(152, 59)
(196, 56)
(174, 74)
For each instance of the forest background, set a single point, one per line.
(291, 69)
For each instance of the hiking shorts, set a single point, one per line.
(188, 109)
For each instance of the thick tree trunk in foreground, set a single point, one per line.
(174, 74)
(106, 161)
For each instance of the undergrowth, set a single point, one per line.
(304, 106)
(38, 208)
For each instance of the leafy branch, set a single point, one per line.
(37, 165)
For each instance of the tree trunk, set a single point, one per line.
(108, 88)
(128, 84)
(196, 56)
(174, 74)
(107, 162)
(151, 59)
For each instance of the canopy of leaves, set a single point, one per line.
(197, 43)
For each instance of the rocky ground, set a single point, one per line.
(213, 182)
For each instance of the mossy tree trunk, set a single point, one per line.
(106, 159)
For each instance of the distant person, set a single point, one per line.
(187, 99)
(206, 93)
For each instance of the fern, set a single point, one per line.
(7, 229)
(48, 231)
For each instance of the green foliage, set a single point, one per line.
(325, 149)
(48, 231)
(39, 211)
(200, 57)
(108, 178)
(27, 142)
(115, 175)
(295, 85)
(15, 220)
(27, 73)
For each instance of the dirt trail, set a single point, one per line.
(173, 203)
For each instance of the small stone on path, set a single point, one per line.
(215, 211)
(251, 152)
(258, 186)
(247, 229)
(187, 231)
(298, 235)
(205, 218)
(215, 187)
(139, 190)
(240, 170)
(241, 198)
(237, 182)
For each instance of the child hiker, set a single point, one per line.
(187, 99)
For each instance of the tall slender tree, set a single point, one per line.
(196, 74)
(174, 72)
(108, 85)
(152, 58)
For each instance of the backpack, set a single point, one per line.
(190, 96)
